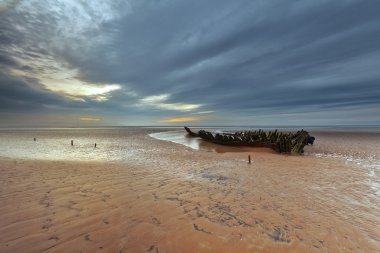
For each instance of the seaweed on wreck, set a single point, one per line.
(280, 142)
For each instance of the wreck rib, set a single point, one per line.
(278, 141)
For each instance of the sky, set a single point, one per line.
(180, 62)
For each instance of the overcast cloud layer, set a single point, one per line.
(213, 62)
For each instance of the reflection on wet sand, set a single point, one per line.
(207, 146)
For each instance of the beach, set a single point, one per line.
(162, 196)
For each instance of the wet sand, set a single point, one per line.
(175, 199)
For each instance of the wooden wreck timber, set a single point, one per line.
(278, 141)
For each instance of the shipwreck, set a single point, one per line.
(280, 142)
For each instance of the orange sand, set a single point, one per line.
(182, 200)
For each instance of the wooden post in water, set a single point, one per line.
(95, 145)
(35, 139)
(72, 143)
(249, 159)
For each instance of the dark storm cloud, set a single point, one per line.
(17, 94)
(7, 61)
(231, 57)
(245, 50)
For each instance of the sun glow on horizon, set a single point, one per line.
(89, 119)
(178, 120)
